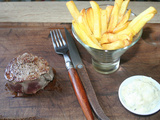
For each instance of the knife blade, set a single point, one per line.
(82, 72)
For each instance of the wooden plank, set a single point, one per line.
(57, 11)
(58, 101)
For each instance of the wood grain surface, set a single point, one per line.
(56, 11)
(58, 101)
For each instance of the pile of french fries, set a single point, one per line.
(109, 28)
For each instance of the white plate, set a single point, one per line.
(129, 81)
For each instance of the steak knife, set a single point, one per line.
(82, 72)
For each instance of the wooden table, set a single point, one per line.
(57, 11)
(28, 31)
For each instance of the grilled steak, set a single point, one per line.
(27, 73)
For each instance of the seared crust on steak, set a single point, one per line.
(29, 72)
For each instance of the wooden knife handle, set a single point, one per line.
(80, 93)
(82, 72)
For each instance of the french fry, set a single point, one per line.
(126, 42)
(105, 39)
(115, 45)
(114, 15)
(125, 18)
(78, 31)
(90, 18)
(119, 2)
(114, 18)
(97, 19)
(110, 37)
(121, 27)
(82, 20)
(141, 15)
(83, 36)
(138, 22)
(123, 9)
(104, 21)
(83, 24)
(123, 24)
(109, 11)
(139, 25)
(73, 9)
(128, 31)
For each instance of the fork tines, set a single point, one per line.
(58, 39)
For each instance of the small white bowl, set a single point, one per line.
(132, 98)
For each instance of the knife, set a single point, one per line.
(82, 72)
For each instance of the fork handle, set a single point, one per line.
(80, 93)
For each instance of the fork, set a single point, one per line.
(61, 47)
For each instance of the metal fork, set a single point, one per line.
(61, 47)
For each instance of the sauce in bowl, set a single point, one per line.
(140, 95)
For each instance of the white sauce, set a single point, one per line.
(141, 95)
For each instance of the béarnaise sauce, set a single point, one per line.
(140, 95)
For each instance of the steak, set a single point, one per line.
(27, 74)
